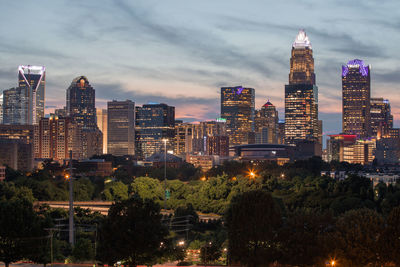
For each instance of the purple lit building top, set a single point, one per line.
(355, 63)
(237, 90)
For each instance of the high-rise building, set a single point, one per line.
(356, 98)
(154, 123)
(237, 107)
(266, 124)
(381, 117)
(362, 152)
(32, 81)
(16, 146)
(121, 128)
(218, 145)
(1, 109)
(55, 137)
(183, 138)
(81, 103)
(336, 144)
(301, 94)
(12, 107)
(102, 125)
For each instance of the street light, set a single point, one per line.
(252, 174)
(165, 173)
(333, 263)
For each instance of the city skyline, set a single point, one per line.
(125, 58)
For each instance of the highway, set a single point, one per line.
(103, 206)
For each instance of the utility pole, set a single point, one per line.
(165, 174)
(71, 202)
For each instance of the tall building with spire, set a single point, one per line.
(356, 85)
(301, 94)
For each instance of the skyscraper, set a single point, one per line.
(266, 124)
(237, 107)
(32, 81)
(356, 85)
(154, 122)
(301, 94)
(12, 107)
(55, 137)
(1, 109)
(121, 127)
(81, 103)
(102, 124)
(381, 117)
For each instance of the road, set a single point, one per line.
(103, 206)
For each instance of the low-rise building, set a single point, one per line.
(205, 162)
(2, 173)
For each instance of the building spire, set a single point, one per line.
(302, 40)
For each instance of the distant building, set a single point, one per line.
(154, 123)
(388, 179)
(301, 94)
(336, 144)
(23, 133)
(94, 167)
(1, 108)
(280, 154)
(218, 145)
(362, 152)
(55, 137)
(183, 138)
(121, 128)
(387, 150)
(92, 142)
(205, 162)
(13, 113)
(61, 112)
(266, 124)
(102, 125)
(2, 173)
(16, 154)
(237, 107)
(31, 82)
(356, 85)
(381, 117)
(158, 160)
(81, 103)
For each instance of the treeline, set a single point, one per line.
(296, 186)
(261, 233)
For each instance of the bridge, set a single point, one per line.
(104, 206)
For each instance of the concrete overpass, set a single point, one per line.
(103, 207)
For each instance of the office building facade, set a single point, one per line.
(81, 103)
(154, 123)
(356, 98)
(266, 124)
(102, 125)
(381, 117)
(121, 128)
(301, 94)
(237, 108)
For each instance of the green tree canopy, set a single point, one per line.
(253, 220)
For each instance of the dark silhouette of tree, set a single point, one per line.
(132, 232)
(357, 237)
(390, 241)
(253, 220)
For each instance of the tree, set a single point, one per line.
(357, 237)
(303, 238)
(253, 219)
(18, 223)
(210, 252)
(132, 232)
(115, 191)
(148, 188)
(390, 241)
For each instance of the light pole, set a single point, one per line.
(71, 201)
(165, 174)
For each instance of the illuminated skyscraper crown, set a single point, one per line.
(355, 63)
(302, 40)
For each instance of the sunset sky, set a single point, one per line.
(181, 52)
